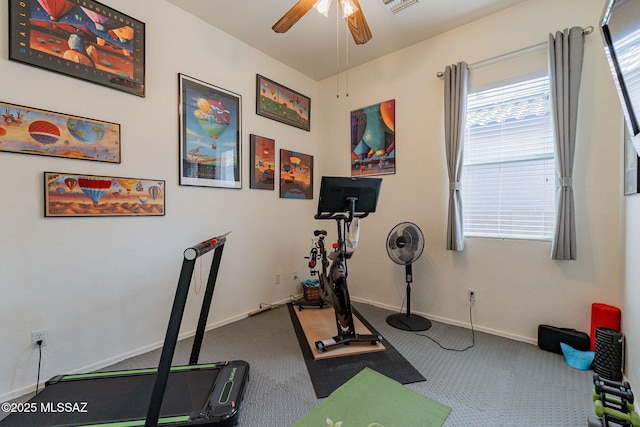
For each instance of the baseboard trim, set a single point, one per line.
(14, 394)
(453, 322)
(31, 388)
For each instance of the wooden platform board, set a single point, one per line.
(320, 323)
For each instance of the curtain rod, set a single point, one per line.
(586, 31)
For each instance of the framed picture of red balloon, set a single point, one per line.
(67, 194)
(296, 175)
(30, 130)
(373, 139)
(282, 104)
(262, 169)
(210, 135)
(79, 38)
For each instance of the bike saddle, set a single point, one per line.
(319, 233)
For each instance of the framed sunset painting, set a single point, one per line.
(262, 169)
(296, 175)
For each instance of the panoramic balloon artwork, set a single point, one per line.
(90, 195)
(79, 38)
(373, 139)
(210, 135)
(282, 104)
(29, 130)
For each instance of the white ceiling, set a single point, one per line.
(311, 46)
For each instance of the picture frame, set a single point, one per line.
(373, 139)
(279, 103)
(296, 175)
(631, 164)
(210, 135)
(262, 169)
(28, 130)
(79, 38)
(75, 195)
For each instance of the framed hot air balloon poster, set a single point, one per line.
(296, 175)
(282, 104)
(79, 38)
(210, 135)
(68, 194)
(263, 162)
(373, 139)
(29, 130)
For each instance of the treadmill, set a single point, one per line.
(190, 395)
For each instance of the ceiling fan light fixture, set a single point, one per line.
(395, 6)
(323, 6)
(348, 8)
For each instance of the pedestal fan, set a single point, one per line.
(405, 244)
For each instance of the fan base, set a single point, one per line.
(411, 322)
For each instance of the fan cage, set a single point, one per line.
(405, 243)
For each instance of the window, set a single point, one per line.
(508, 175)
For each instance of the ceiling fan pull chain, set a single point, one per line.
(346, 39)
(337, 54)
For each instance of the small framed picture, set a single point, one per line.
(296, 175)
(263, 163)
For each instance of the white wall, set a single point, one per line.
(103, 287)
(518, 286)
(631, 293)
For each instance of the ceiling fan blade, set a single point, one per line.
(293, 15)
(358, 26)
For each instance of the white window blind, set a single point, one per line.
(508, 176)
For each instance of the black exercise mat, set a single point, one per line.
(329, 374)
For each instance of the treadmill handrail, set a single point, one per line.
(205, 246)
(175, 319)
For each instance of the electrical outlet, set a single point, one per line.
(277, 280)
(472, 295)
(37, 336)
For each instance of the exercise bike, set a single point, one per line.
(317, 254)
(355, 198)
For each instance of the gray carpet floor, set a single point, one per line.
(498, 382)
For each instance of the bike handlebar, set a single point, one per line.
(339, 215)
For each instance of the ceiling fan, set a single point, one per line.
(350, 9)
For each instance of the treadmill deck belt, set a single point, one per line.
(122, 398)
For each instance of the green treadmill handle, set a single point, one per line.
(133, 372)
(137, 423)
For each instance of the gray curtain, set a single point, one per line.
(566, 51)
(455, 107)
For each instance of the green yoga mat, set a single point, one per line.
(371, 399)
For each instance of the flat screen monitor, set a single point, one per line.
(620, 27)
(335, 191)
